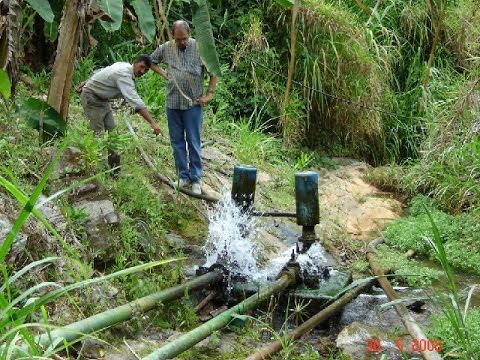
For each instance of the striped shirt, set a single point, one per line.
(185, 73)
(114, 81)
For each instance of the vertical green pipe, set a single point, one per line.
(193, 337)
(243, 186)
(125, 312)
(306, 196)
(308, 214)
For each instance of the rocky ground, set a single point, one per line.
(348, 206)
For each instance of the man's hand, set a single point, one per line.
(159, 71)
(79, 88)
(156, 129)
(202, 101)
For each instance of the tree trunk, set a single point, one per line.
(10, 20)
(291, 70)
(70, 27)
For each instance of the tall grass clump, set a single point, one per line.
(252, 87)
(450, 167)
(334, 56)
(463, 33)
(461, 337)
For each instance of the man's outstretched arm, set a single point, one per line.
(146, 115)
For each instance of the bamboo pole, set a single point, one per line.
(269, 350)
(186, 341)
(125, 312)
(412, 327)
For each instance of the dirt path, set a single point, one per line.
(351, 204)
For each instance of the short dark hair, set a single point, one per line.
(146, 60)
(180, 23)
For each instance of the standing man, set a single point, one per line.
(111, 82)
(185, 99)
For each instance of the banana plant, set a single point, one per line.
(70, 29)
(111, 19)
(43, 8)
(286, 3)
(204, 36)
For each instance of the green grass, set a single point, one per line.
(443, 329)
(459, 235)
(462, 336)
(407, 271)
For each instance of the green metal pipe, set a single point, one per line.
(186, 341)
(125, 312)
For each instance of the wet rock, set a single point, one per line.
(19, 242)
(365, 342)
(270, 245)
(69, 162)
(53, 215)
(98, 211)
(366, 309)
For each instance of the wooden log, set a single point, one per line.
(412, 327)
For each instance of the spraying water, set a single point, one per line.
(230, 238)
(232, 242)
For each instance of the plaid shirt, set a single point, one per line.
(185, 73)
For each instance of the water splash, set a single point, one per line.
(232, 242)
(312, 262)
(230, 238)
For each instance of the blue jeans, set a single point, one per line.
(185, 127)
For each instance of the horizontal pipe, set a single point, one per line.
(186, 341)
(125, 312)
(274, 214)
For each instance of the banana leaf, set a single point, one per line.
(4, 85)
(37, 112)
(285, 3)
(114, 9)
(145, 18)
(43, 8)
(204, 37)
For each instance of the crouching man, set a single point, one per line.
(114, 81)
